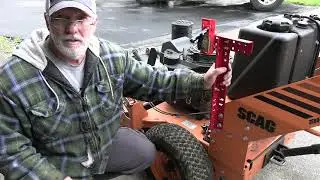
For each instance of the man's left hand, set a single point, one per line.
(211, 75)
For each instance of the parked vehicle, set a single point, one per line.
(261, 5)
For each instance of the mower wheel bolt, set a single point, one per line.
(245, 138)
(229, 135)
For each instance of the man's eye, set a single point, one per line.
(82, 17)
(58, 19)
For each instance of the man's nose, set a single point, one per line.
(72, 27)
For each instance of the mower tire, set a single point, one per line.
(182, 147)
(265, 5)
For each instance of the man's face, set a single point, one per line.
(70, 30)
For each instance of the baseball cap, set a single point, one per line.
(88, 6)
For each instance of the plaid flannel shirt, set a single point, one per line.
(46, 127)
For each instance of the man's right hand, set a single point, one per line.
(67, 178)
(211, 75)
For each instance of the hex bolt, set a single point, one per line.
(229, 135)
(245, 138)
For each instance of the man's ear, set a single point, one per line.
(47, 19)
(95, 21)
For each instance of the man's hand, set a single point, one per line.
(67, 178)
(211, 75)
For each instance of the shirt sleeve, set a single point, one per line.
(145, 82)
(18, 158)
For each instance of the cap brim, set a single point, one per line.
(70, 4)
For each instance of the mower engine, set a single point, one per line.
(187, 52)
(195, 53)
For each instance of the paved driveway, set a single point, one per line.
(124, 21)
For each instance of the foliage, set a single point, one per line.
(7, 44)
(305, 2)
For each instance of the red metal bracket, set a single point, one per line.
(223, 47)
(208, 41)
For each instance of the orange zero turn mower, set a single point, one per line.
(241, 135)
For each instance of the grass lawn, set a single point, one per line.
(305, 2)
(7, 46)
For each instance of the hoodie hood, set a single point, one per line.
(30, 49)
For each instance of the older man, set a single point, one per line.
(60, 99)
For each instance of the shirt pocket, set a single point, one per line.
(105, 92)
(110, 94)
(109, 103)
(49, 123)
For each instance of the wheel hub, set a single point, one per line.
(165, 168)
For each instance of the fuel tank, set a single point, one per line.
(284, 52)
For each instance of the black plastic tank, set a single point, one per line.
(181, 28)
(283, 53)
(305, 50)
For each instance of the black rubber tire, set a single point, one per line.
(181, 146)
(261, 7)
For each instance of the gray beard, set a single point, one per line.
(70, 53)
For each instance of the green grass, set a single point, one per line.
(305, 2)
(7, 44)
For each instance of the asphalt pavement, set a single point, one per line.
(131, 25)
(125, 22)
